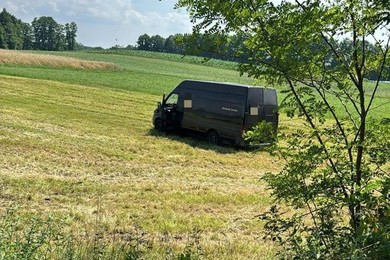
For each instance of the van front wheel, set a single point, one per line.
(213, 138)
(158, 124)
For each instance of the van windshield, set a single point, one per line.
(172, 99)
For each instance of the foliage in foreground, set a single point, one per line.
(336, 177)
(263, 133)
(320, 225)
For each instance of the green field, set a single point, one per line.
(78, 144)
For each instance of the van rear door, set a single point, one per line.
(254, 108)
(270, 105)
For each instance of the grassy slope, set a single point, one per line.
(81, 145)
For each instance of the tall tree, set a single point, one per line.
(11, 32)
(70, 35)
(335, 175)
(3, 38)
(144, 42)
(157, 43)
(170, 45)
(28, 37)
(48, 34)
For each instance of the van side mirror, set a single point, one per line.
(158, 105)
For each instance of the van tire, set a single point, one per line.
(212, 138)
(158, 124)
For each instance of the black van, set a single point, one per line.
(222, 111)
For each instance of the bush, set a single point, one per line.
(262, 133)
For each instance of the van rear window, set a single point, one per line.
(270, 97)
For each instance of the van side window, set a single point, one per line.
(172, 99)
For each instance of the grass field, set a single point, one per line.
(134, 73)
(78, 144)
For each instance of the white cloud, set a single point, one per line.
(154, 21)
(101, 21)
(111, 10)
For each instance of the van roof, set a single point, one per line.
(221, 83)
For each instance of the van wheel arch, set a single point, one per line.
(212, 137)
(158, 124)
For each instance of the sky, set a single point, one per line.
(105, 23)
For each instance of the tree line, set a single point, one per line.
(233, 48)
(206, 46)
(44, 33)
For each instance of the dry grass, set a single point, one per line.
(90, 154)
(45, 60)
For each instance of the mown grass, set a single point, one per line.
(78, 144)
(74, 148)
